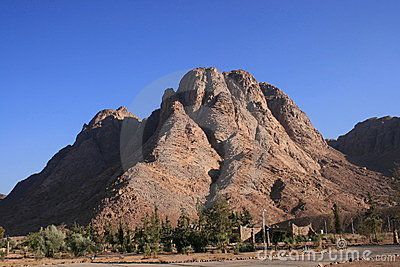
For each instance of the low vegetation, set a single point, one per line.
(213, 227)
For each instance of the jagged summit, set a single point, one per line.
(218, 134)
(119, 114)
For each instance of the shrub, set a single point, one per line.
(80, 245)
(246, 247)
(36, 243)
(47, 242)
(54, 240)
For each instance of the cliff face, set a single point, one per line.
(219, 134)
(374, 143)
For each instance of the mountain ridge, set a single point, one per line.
(218, 135)
(373, 143)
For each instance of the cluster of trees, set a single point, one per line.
(214, 226)
(52, 240)
(370, 224)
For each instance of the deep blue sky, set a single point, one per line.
(62, 61)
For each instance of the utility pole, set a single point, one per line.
(326, 227)
(8, 246)
(395, 233)
(352, 226)
(389, 228)
(263, 217)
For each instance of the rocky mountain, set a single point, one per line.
(218, 135)
(2, 196)
(374, 143)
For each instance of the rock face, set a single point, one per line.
(218, 135)
(374, 143)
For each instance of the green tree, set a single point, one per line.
(337, 219)
(238, 219)
(91, 233)
(129, 244)
(167, 235)
(109, 236)
(372, 224)
(47, 241)
(141, 237)
(54, 240)
(79, 245)
(155, 231)
(198, 232)
(36, 243)
(182, 232)
(80, 240)
(246, 219)
(121, 237)
(148, 235)
(219, 223)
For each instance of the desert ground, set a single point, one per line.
(385, 256)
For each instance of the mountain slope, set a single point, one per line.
(374, 143)
(220, 134)
(73, 182)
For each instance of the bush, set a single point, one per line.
(246, 247)
(80, 245)
(36, 243)
(198, 240)
(47, 242)
(54, 240)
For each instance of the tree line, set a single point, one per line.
(214, 226)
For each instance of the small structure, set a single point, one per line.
(254, 234)
(302, 230)
(292, 229)
(249, 233)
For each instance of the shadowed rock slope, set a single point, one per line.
(374, 143)
(218, 134)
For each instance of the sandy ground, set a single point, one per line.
(385, 256)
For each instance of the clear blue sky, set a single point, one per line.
(62, 61)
